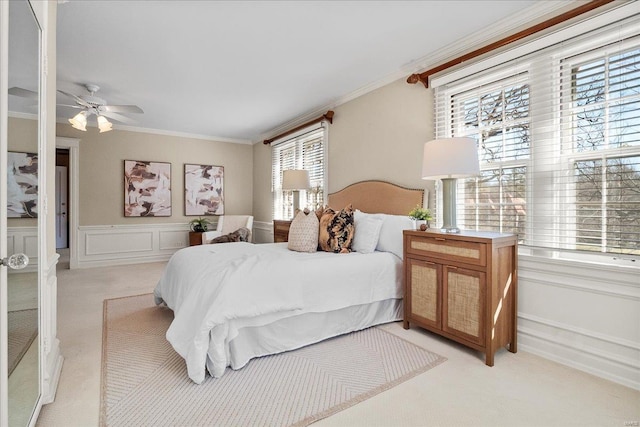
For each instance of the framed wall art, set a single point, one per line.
(22, 185)
(203, 190)
(147, 188)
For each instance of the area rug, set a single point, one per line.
(22, 329)
(145, 382)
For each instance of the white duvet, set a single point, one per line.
(216, 289)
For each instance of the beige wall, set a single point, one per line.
(22, 135)
(102, 168)
(379, 135)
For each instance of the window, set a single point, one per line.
(558, 133)
(602, 149)
(306, 150)
(497, 116)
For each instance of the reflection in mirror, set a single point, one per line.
(22, 212)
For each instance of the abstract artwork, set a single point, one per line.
(22, 185)
(203, 190)
(147, 188)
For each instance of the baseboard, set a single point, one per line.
(52, 376)
(583, 352)
(581, 315)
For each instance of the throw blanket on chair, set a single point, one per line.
(240, 235)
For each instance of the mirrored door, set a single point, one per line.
(22, 204)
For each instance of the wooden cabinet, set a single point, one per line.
(195, 238)
(463, 286)
(281, 230)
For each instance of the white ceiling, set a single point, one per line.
(237, 70)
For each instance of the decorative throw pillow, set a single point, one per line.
(240, 235)
(336, 230)
(367, 231)
(303, 232)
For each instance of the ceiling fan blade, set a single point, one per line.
(122, 109)
(71, 106)
(24, 93)
(117, 117)
(77, 98)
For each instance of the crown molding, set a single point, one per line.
(19, 115)
(171, 133)
(455, 48)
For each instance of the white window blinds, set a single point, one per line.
(306, 150)
(558, 134)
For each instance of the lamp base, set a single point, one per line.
(451, 230)
(449, 206)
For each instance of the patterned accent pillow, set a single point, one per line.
(336, 230)
(240, 235)
(303, 232)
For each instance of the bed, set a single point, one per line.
(238, 301)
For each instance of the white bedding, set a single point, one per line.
(216, 291)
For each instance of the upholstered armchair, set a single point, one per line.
(228, 224)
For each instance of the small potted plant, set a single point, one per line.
(420, 217)
(197, 226)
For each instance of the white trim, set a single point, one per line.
(580, 315)
(171, 133)
(262, 232)
(19, 115)
(506, 25)
(624, 11)
(52, 360)
(73, 145)
(103, 245)
(4, 83)
(562, 344)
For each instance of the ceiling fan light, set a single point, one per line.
(79, 121)
(103, 124)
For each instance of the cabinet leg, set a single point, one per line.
(513, 346)
(489, 358)
(405, 324)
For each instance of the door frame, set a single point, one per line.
(73, 145)
(4, 120)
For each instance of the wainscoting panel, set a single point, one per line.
(582, 315)
(129, 244)
(102, 242)
(262, 232)
(24, 240)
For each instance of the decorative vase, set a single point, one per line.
(418, 222)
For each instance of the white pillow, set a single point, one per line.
(367, 232)
(390, 239)
(303, 232)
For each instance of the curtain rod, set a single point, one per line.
(424, 76)
(326, 116)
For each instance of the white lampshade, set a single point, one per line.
(79, 121)
(103, 124)
(449, 159)
(295, 179)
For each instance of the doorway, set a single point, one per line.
(62, 199)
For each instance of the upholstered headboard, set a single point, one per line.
(377, 197)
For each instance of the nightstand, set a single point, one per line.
(463, 286)
(281, 230)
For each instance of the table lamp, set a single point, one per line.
(295, 179)
(449, 159)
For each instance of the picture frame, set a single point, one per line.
(147, 188)
(203, 190)
(22, 184)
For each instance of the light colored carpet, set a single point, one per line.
(144, 382)
(22, 328)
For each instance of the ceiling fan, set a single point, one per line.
(89, 104)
